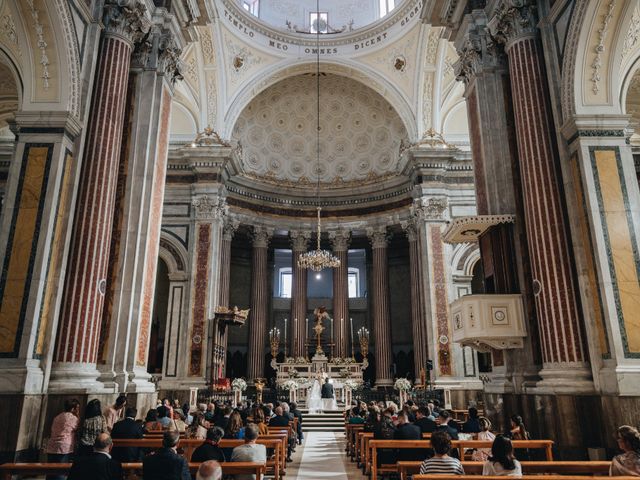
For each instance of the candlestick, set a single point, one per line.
(285, 338)
(331, 338)
(353, 355)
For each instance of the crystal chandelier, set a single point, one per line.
(318, 259)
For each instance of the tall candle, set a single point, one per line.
(306, 327)
(352, 344)
(331, 339)
(285, 336)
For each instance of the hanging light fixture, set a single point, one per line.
(318, 259)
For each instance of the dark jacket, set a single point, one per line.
(327, 390)
(471, 426)
(426, 425)
(165, 465)
(127, 428)
(453, 433)
(208, 451)
(385, 430)
(408, 431)
(96, 466)
(279, 421)
(222, 422)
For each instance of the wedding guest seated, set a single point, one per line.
(423, 420)
(482, 454)
(62, 441)
(93, 424)
(151, 423)
(279, 420)
(127, 428)
(441, 463)
(250, 451)
(298, 414)
(163, 416)
(223, 421)
(166, 464)
(407, 431)
(210, 413)
(627, 463)
(471, 425)
(385, 430)
(98, 465)
(443, 424)
(518, 430)
(259, 420)
(113, 413)
(210, 450)
(372, 420)
(210, 470)
(199, 426)
(502, 462)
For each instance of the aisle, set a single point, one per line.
(323, 456)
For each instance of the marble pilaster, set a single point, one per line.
(258, 319)
(564, 354)
(86, 280)
(299, 244)
(220, 335)
(380, 305)
(340, 241)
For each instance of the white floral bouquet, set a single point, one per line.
(290, 385)
(290, 360)
(301, 360)
(337, 360)
(349, 360)
(293, 373)
(239, 385)
(351, 384)
(402, 384)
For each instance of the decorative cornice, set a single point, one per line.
(340, 240)
(300, 240)
(514, 20)
(599, 49)
(207, 208)
(126, 19)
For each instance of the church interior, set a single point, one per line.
(223, 201)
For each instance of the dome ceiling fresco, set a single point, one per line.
(360, 133)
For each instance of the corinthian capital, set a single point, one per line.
(261, 237)
(430, 209)
(169, 57)
(207, 208)
(126, 19)
(299, 240)
(229, 229)
(410, 227)
(378, 236)
(340, 240)
(513, 20)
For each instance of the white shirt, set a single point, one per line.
(496, 469)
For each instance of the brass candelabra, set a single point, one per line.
(363, 337)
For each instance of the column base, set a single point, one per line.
(140, 382)
(619, 380)
(180, 384)
(454, 383)
(74, 377)
(564, 378)
(20, 376)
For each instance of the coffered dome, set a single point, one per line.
(360, 133)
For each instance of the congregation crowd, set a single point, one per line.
(388, 422)
(88, 441)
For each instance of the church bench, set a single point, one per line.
(407, 469)
(278, 463)
(524, 477)
(8, 470)
(363, 455)
(461, 445)
(352, 430)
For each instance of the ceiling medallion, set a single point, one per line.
(318, 259)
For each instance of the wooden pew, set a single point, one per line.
(461, 445)
(352, 430)
(7, 470)
(524, 477)
(407, 469)
(188, 445)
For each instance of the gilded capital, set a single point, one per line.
(126, 19)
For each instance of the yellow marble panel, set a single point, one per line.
(57, 252)
(24, 230)
(621, 243)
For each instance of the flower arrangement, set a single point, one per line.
(290, 360)
(402, 384)
(293, 373)
(351, 384)
(301, 360)
(349, 360)
(337, 360)
(239, 385)
(290, 385)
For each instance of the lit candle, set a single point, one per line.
(331, 339)
(351, 321)
(306, 327)
(285, 337)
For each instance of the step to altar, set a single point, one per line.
(330, 421)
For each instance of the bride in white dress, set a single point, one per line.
(314, 400)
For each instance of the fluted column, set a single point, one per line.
(221, 335)
(418, 324)
(259, 304)
(561, 331)
(340, 241)
(85, 285)
(299, 243)
(380, 305)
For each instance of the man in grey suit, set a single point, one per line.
(250, 451)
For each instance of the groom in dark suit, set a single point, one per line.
(327, 389)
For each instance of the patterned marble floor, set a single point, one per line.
(322, 456)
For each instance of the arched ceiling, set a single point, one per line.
(361, 133)
(8, 95)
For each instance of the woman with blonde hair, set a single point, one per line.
(482, 454)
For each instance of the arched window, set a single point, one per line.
(251, 6)
(285, 278)
(386, 6)
(354, 282)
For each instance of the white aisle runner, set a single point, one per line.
(323, 456)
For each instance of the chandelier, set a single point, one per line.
(318, 259)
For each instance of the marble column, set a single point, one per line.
(418, 323)
(299, 243)
(126, 321)
(380, 306)
(340, 241)
(258, 319)
(221, 333)
(564, 354)
(86, 280)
